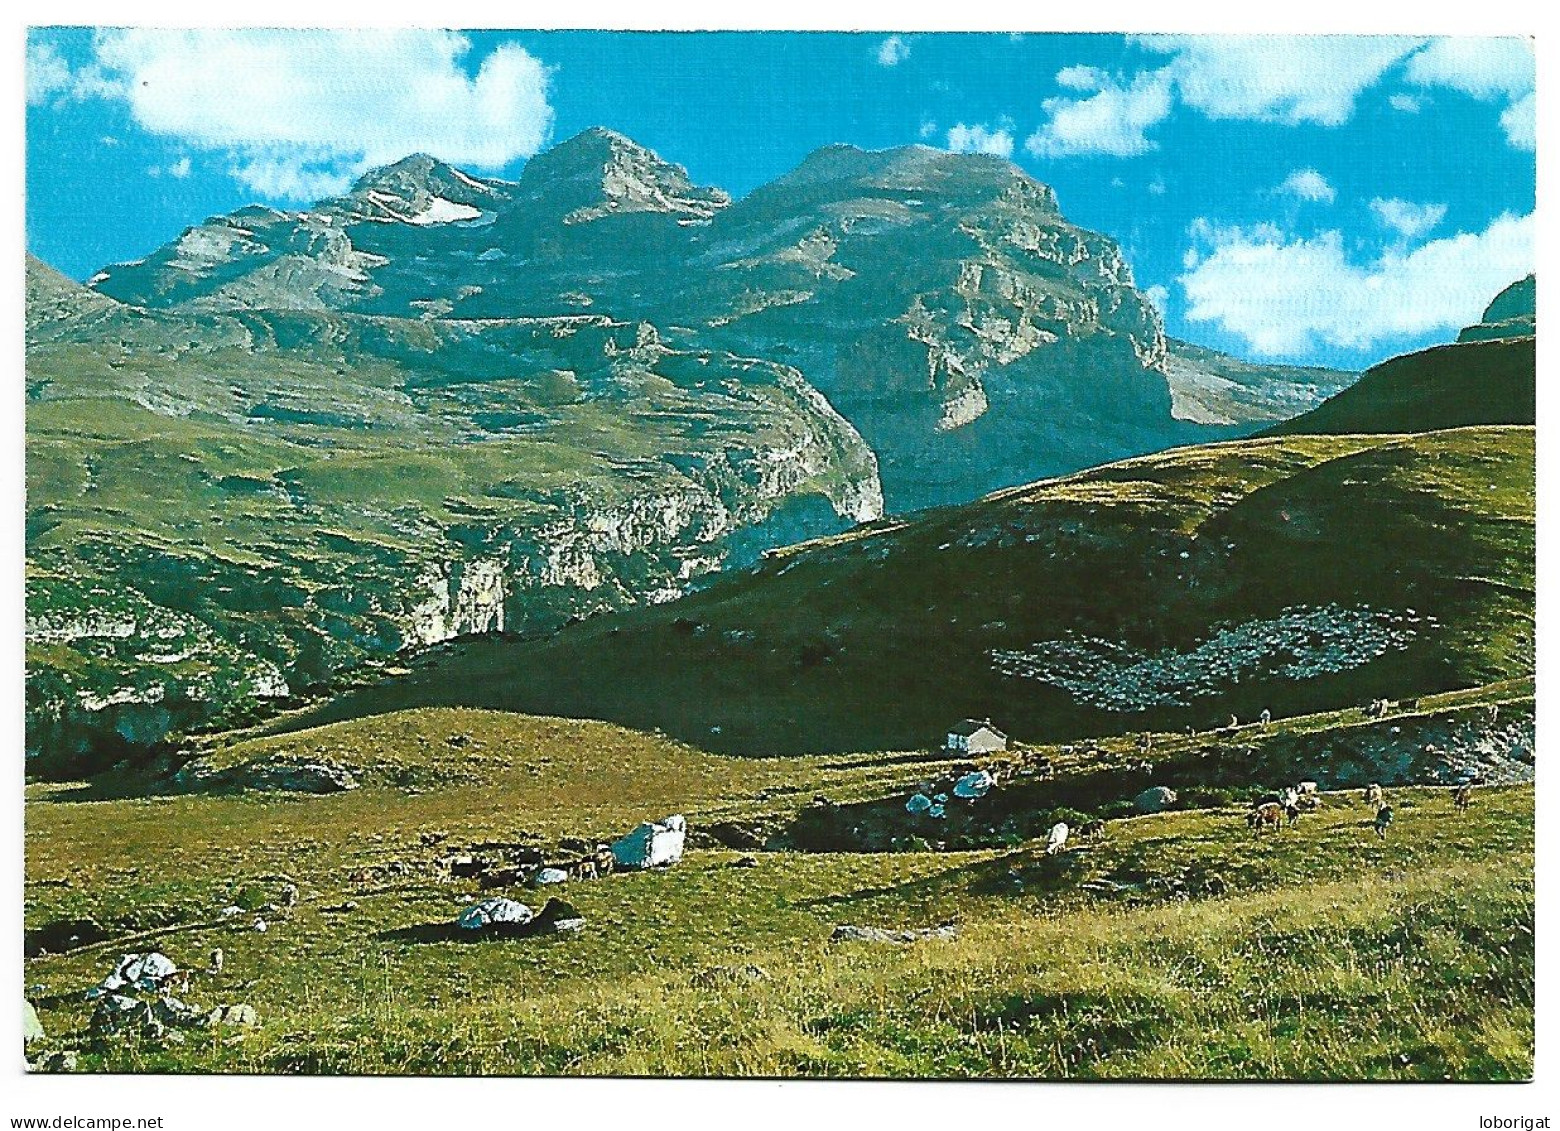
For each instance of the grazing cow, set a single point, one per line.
(605, 861)
(1091, 830)
(1306, 787)
(1462, 796)
(1383, 819)
(1374, 797)
(583, 869)
(1266, 815)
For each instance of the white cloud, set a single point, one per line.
(1486, 68)
(893, 51)
(928, 128)
(1270, 78)
(1283, 294)
(980, 139)
(1409, 220)
(1406, 103)
(1156, 187)
(1307, 184)
(1518, 122)
(1081, 78)
(1489, 69)
(48, 73)
(1112, 121)
(1158, 296)
(300, 113)
(1278, 78)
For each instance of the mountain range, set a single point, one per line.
(290, 445)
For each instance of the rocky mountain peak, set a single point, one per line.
(418, 189)
(600, 172)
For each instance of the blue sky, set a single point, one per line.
(1324, 199)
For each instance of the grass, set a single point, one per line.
(1330, 954)
(877, 639)
(1451, 386)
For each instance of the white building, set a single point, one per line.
(976, 736)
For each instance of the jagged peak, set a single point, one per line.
(600, 172)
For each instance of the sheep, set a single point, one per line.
(1374, 797)
(215, 965)
(1057, 840)
(1462, 796)
(1383, 819)
(290, 895)
(1267, 814)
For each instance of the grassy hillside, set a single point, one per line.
(1295, 574)
(1453, 386)
(1196, 951)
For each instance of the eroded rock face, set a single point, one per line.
(442, 405)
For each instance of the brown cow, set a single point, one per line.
(1269, 813)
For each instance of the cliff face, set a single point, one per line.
(226, 510)
(302, 442)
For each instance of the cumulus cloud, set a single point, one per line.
(1288, 79)
(1410, 221)
(1112, 121)
(1307, 184)
(1518, 122)
(1489, 69)
(980, 139)
(1406, 103)
(1278, 78)
(1481, 66)
(1158, 296)
(1284, 294)
(893, 51)
(300, 113)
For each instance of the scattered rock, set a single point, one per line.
(238, 1016)
(147, 972)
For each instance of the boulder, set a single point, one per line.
(136, 972)
(241, 1016)
(1155, 799)
(496, 910)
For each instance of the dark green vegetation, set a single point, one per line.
(1195, 951)
(1454, 386)
(1511, 314)
(289, 445)
(1293, 574)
